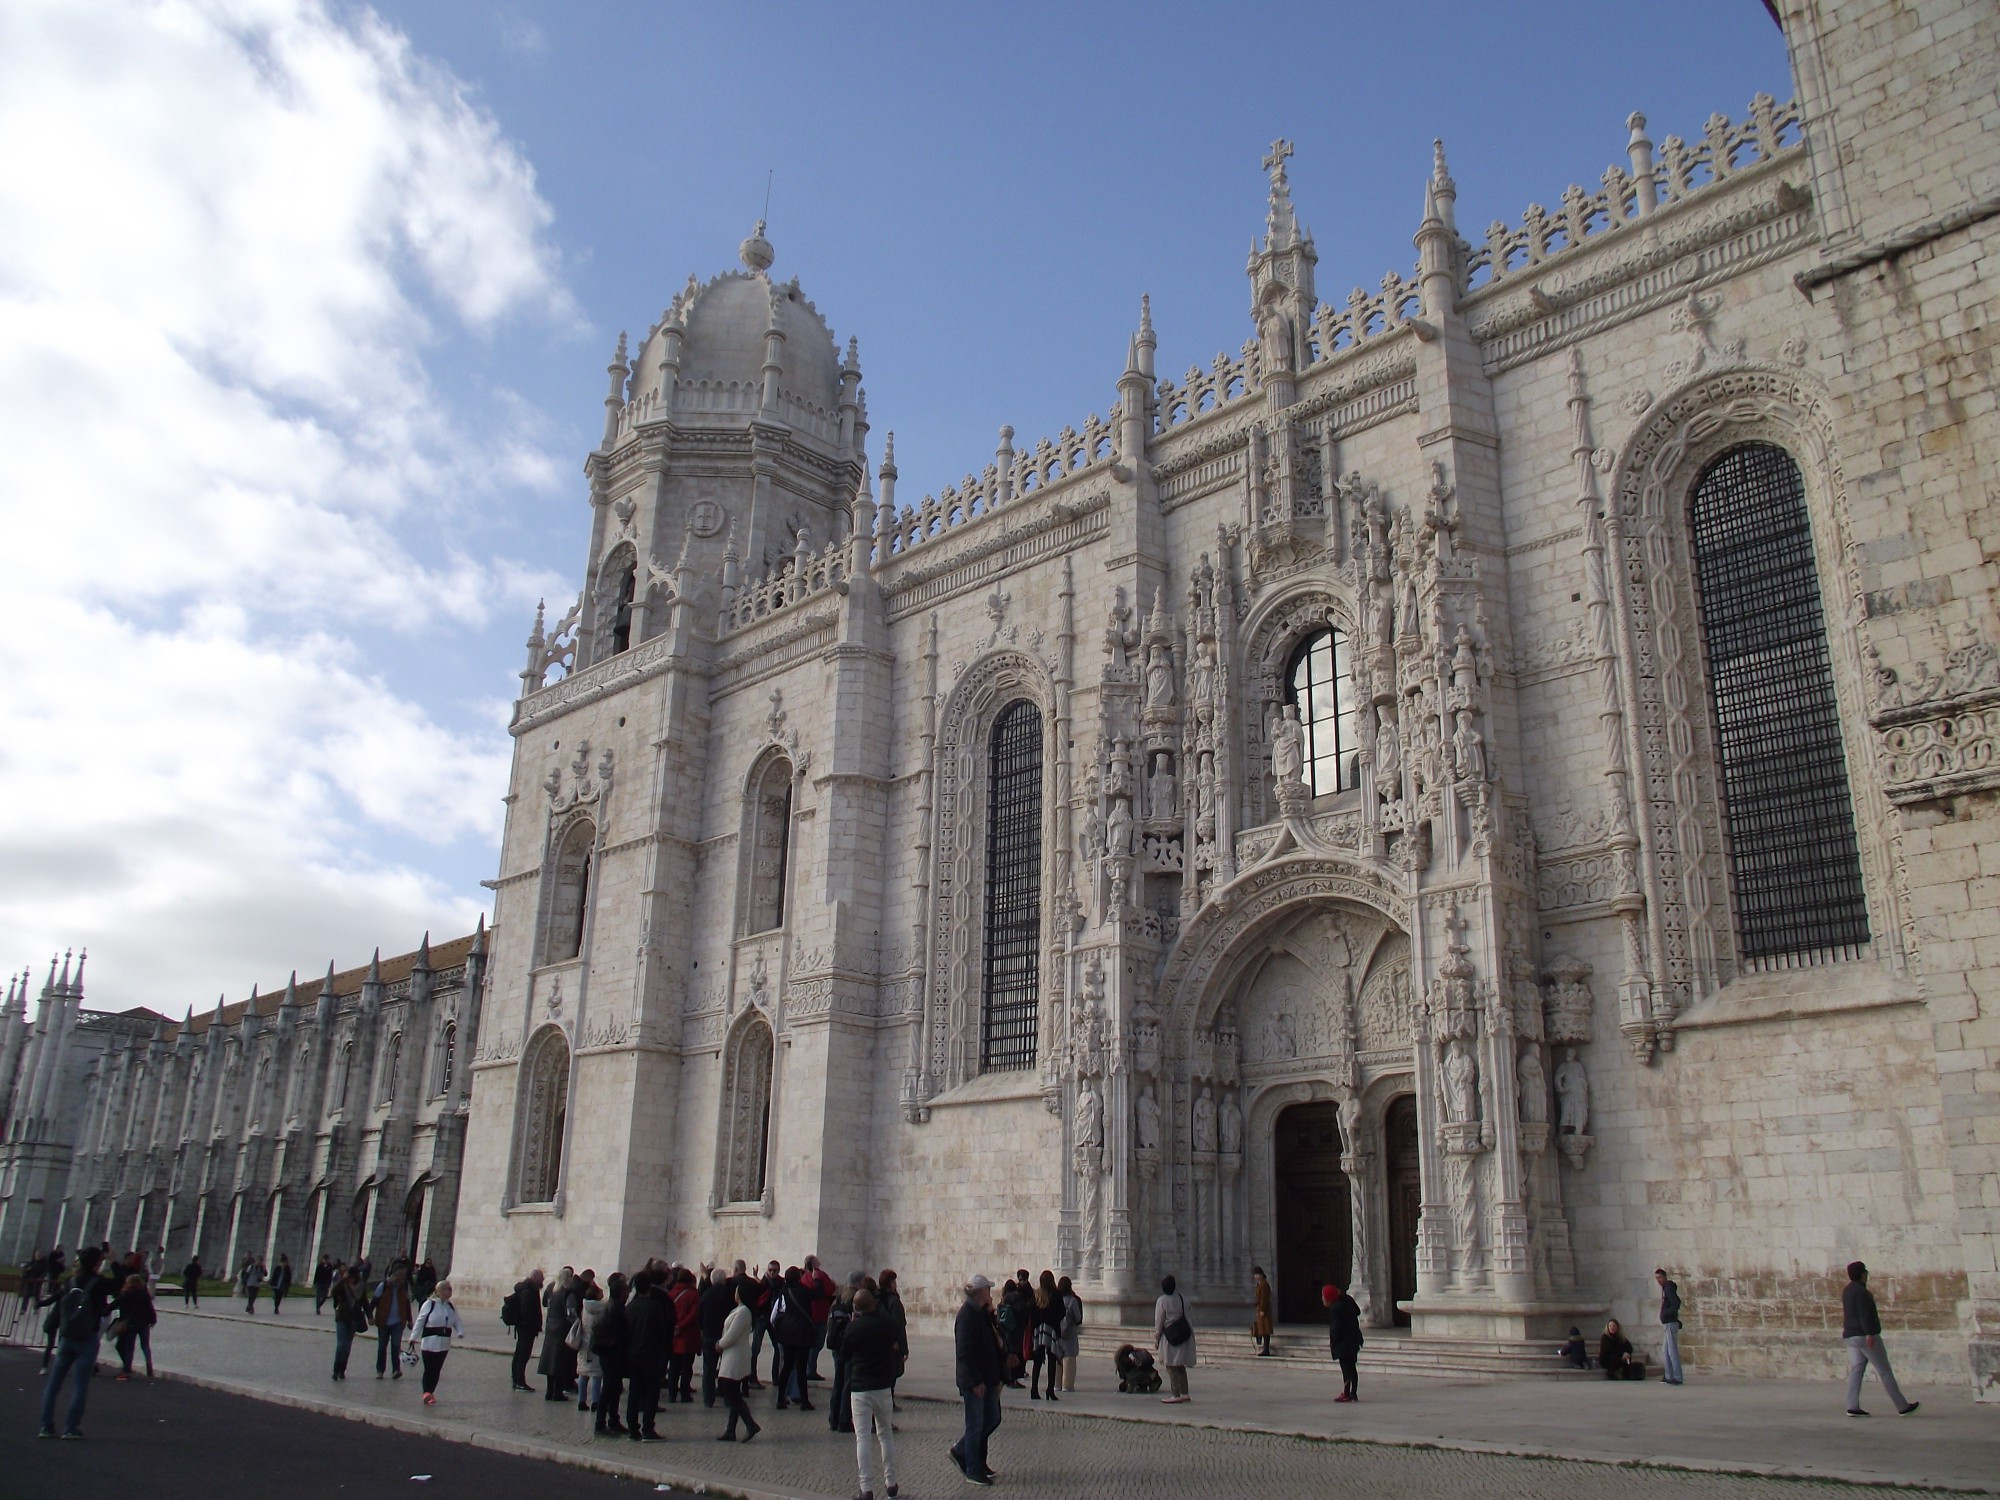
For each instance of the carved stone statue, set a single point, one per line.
(1160, 790)
(1461, 1083)
(1146, 1132)
(1201, 676)
(1288, 748)
(1159, 677)
(1280, 1040)
(1089, 1115)
(1534, 1087)
(1091, 836)
(1350, 1124)
(1118, 834)
(1204, 1122)
(1388, 757)
(1231, 1120)
(1572, 1095)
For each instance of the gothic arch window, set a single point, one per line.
(447, 1055)
(390, 1061)
(1011, 990)
(569, 893)
(617, 589)
(295, 1090)
(1794, 863)
(746, 1124)
(767, 843)
(346, 1075)
(1319, 682)
(544, 1115)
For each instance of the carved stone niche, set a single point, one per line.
(1567, 1001)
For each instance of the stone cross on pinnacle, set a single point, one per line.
(1280, 150)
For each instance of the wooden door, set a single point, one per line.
(1406, 1192)
(1315, 1236)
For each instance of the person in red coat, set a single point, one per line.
(687, 1337)
(820, 1289)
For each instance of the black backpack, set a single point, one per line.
(507, 1308)
(79, 1310)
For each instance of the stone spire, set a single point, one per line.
(323, 1006)
(614, 399)
(1281, 224)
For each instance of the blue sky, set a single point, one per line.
(305, 311)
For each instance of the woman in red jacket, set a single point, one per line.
(687, 1338)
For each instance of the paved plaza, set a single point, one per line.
(1268, 1430)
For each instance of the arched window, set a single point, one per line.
(390, 1062)
(620, 590)
(770, 845)
(545, 1112)
(569, 894)
(447, 1055)
(1012, 989)
(295, 1090)
(1319, 679)
(747, 1123)
(1795, 866)
(346, 1075)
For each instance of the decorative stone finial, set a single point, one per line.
(1441, 174)
(1281, 225)
(756, 251)
(1145, 315)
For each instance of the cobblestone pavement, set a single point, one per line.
(1224, 1443)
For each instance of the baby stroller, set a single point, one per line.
(1137, 1375)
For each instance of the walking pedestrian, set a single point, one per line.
(424, 1280)
(1260, 1320)
(79, 1316)
(522, 1312)
(156, 1267)
(1670, 1327)
(191, 1282)
(1861, 1327)
(1044, 1333)
(768, 1286)
(322, 1283)
(437, 1320)
(1172, 1329)
(734, 1356)
(608, 1342)
(133, 1324)
(32, 1276)
(281, 1283)
(1069, 1345)
(350, 1316)
(1343, 1337)
(558, 1362)
(839, 1414)
(392, 1315)
(976, 1345)
(889, 1302)
(650, 1318)
(874, 1350)
(249, 1279)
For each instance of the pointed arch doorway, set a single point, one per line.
(1315, 1214)
(1403, 1177)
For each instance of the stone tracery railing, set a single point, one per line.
(1338, 329)
(802, 576)
(1203, 391)
(1008, 480)
(1682, 170)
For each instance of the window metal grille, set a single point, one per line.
(1013, 890)
(1320, 681)
(1794, 863)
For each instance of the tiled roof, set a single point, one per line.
(446, 955)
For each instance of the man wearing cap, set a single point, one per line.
(977, 1337)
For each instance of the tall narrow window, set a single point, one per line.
(1013, 890)
(569, 896)
(546, 1106)
(390, 1065)
(346, 1076)
(447, 1055)
(748, 1092)
(1320, 681)
(625, 585)
(770, 845)
(1794, 863)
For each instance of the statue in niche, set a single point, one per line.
(1288, 748)
(1146, 1135)
(1534, 1087)
(1204, 1122)
(1280, 1040)
(1572, 1095)
(1161, 788)
(1350, 1124)
(1469, 749)
(1090, 837)
(1201, 677)
(1159, 677)
(1230, 1119)
(1118, 834)
(1388, 756)
(1089, 1115)
(1461, 1083)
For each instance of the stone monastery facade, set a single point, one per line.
(1483, 791)
(328, 1117)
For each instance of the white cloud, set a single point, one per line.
(236, 229)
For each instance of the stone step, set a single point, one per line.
(1386, 1352)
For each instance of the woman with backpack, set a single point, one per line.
(437, 1321)
(350, 1316)
(1173, 1330)
(792, 1332)
(133, 1324)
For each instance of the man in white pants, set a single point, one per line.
(873, 1351)
(1861, 1327)
(1670, 1326)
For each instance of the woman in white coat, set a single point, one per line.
(436, 1323)
(733, 1363)
(1170, 1312)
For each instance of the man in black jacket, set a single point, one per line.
(977, 1338)
(769, 1285)
(1670, 1327)
(526, 1303)
(717, 1298)
(1343, 1337)
(80, 1310)
(1861, 1327)
(873, 1351)
(649, 1341)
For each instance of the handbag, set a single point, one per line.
(1180, 1330)
(573, 1340)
